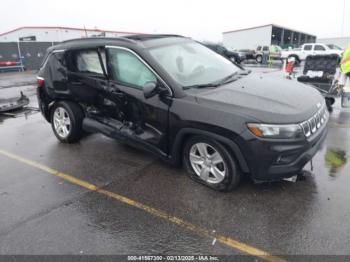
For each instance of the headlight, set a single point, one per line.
(275, 131)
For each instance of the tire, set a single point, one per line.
(329, 102)
(227, 167)
(62, 111)
(258, 59)
(234, 59)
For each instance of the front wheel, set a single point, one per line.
(233, 59)
(66, 121)
(210, 163)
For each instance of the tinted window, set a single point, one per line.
(87, 61)
(319, 48)
(129, 69)
(258, 48)
(265, 48)
(307, 47)
(221, 49)
(56, 70)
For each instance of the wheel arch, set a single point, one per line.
(185, 133)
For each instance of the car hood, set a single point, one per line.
(264, 98)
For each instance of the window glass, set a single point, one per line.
(307, 47)
(265, 48)
(258, 48)
(87, 61)
(319, 48)
(334, 47)
(190, 63)
(128, 69)
(221, 49)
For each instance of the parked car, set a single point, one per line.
(300, 54)
(248, 53)
(273, 51)
(236, 57)
(179, 100)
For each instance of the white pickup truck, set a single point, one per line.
(300, 54)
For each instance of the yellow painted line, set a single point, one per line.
(245, 248)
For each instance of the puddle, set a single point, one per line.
(335, 161)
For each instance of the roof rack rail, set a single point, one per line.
(150, 36)
(98, 38)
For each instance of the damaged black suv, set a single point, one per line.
(180, 100)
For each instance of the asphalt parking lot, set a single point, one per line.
(102, 197)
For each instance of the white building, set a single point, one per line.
(342, 42)
(55, 33)
(250, 38)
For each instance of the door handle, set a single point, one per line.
(117, 92)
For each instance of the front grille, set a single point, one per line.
(315, 122)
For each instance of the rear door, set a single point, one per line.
(319, 50)
(307, 50)
(146, 118)
(87, 74)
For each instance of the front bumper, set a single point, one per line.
(271, 160)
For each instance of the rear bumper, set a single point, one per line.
(274, 160)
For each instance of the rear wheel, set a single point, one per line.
(209, 162)
(66, 121)
(259, 59)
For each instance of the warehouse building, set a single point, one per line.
(26, 46)
(342, 42)
(55, 33)
(270, 34)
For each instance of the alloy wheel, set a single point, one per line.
(62, 122)
(207, 163)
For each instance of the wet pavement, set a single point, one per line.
(43, 214)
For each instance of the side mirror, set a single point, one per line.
(150, 89)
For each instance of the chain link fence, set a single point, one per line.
(20, 56)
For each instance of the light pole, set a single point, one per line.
(343, 22)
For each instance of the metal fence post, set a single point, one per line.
(20, 55)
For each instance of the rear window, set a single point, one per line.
(319, 48)
(307, 47)
(46, 58)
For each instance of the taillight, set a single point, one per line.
(40, 81)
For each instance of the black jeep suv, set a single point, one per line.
(180, 100)
(236, 57)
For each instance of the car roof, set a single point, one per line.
(138, 40)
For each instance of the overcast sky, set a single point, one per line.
(200, 19)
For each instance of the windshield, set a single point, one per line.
(334, 47)
(190, 63)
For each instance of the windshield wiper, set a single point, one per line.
(235, 76)
(201, 86)
(230, 78)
